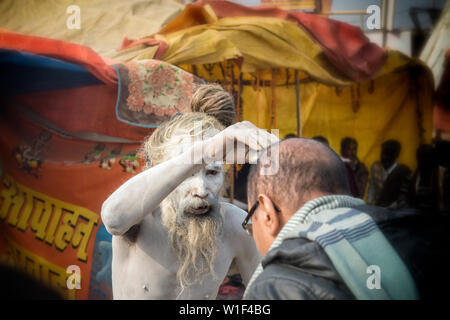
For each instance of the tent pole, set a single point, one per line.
(232, 183)
(297, 105)
(273, 102)
(230, 70)
(257, 97)
(239, 107)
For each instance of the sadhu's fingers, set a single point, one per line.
(247, 137)
(262, 138)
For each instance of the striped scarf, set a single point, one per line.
(355, 246)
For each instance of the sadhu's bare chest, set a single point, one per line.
(147, 268)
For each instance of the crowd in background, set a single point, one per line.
(389, 183)
(394, 185)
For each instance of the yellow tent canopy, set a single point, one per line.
(283, 80)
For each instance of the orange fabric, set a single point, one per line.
(61, 50)
(162, 45)
(192, 15)
(346, 46)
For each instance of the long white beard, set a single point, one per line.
(193, 237)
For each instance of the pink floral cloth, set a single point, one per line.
(152, 91)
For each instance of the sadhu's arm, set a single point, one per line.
(143, 193)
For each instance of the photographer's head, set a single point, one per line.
(307, 170)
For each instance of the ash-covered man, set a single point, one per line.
(172, 238)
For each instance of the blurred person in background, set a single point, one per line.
(290, 135)
(321, 139)
(390, 181)
(356, 169)
(425, 193)
(442, 150)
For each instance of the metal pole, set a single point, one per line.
(297, 105)
(383, 21)
(388, 17)
(232, 183)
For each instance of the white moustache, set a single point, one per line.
(197, 206)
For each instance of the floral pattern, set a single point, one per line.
(158, 88)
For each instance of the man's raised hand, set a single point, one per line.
(239, 143)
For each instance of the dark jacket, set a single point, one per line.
(396, 188)
(299, 269)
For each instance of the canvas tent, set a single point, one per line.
(299, 72)
(433, 53)
(436, 54)
(335, 64)
(72, 120)
(103, 23)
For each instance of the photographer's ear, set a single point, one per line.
(270, 219)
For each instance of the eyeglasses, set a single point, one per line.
(252, 211)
